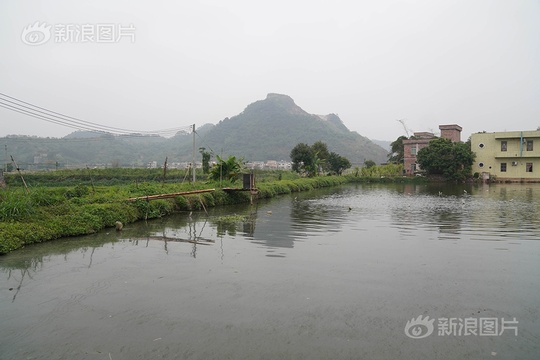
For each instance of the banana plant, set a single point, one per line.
(227, 169)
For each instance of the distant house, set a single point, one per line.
(420, 140)
(271, 164)
(255, 165)
(508, 155)
(285, 165)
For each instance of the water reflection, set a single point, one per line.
(324, 274)
(21, 265)
(33, 256)
(19, 281)
(479, 213)
(435, 211)
(192, 233)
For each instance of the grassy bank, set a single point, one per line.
(78, 202)
(45, 213)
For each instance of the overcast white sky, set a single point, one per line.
(472, 62)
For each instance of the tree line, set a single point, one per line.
(316, 159)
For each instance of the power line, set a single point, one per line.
(204, 143)
(25, 108)
(99, 137)
(75, 122)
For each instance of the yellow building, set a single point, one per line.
(509, 155)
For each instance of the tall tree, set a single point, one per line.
(320, 150)
(369, 163)
(303, 159)
(397, 151)
(310, 160)
(205, 160)
(338, 163)
(444, 157)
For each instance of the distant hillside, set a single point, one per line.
(270, 128)
(80, 149)
(266, 130)
(385, 144)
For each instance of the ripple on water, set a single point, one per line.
(464, 216)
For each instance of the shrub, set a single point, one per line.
(77, 191)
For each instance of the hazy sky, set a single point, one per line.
(475, 62)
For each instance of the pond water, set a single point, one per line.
(341, 273)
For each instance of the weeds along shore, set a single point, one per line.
(45, 212)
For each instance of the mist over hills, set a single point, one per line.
(266, 130)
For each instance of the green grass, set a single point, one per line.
(48, 212)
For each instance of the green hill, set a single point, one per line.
(270, 128)
(266, 130)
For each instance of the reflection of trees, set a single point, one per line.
(413, 212)
(306, 213)
(246, 223)
(280, 229)
(301, 216)
(30, 260)
(314, 216)
(274, 229)
(485, 211)
(33, 256)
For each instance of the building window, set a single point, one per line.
(528, 167)
(504, 145)
(481, 164)
(503, 167)
(529, 145)
(481, 145)
(413, 150)
(413, 168)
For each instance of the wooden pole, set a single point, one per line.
(165, 169)
(20, 174)
(221, 169)
(91, 179)
(193, 164)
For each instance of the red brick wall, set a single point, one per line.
(452, 132)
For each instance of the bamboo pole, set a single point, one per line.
(165, 169)
(91, 178)
(165, 196)
(20, 174)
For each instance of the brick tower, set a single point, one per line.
(452, 132)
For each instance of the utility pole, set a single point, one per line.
(194, 149)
